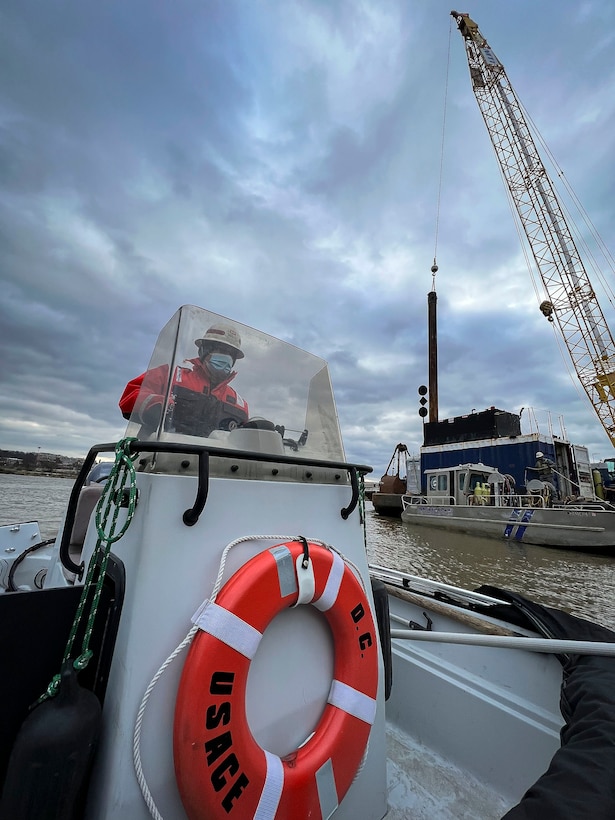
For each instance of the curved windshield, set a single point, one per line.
(234, 387)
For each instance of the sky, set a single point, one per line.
(294, 166)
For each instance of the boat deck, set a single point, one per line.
(425, 786)
(469, 728)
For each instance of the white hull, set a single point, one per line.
(585, 529)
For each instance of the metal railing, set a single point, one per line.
(501, 500)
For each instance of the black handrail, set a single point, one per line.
(191, 516)
(354, 483)
(204, 452)
(65, 558)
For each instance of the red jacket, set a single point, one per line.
(148, 389)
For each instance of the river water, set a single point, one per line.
(581, 584)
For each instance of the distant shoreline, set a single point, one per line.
(72, 474)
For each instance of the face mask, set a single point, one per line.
(221, 362)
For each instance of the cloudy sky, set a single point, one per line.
(278, 162)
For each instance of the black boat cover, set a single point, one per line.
(580, 782)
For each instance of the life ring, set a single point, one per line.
(220, 769)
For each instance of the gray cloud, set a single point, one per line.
(278, 163)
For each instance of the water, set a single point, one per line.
(581, 584)
(578, 583)
(34, 498)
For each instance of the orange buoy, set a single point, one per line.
(221, 770)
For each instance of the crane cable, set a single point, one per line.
(557, 335)
(581, 242)
(600, 243)
(578, 237)
(435, 250)
(516, 220)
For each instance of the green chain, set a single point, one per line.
(123, 473)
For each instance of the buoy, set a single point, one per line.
(51, 760)
(219, 766)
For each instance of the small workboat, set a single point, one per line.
(393, 484)
(479, 500)
(206, 639)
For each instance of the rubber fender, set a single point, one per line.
(51, 760)
(381, 605)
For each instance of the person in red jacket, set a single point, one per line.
(202, 399)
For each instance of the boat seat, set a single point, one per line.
(88, 499)
(86, 504)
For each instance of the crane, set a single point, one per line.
(571, 301)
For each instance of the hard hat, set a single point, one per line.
(540, 455)
(223, 334)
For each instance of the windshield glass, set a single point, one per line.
(234, 387)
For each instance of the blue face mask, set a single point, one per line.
(222, 362)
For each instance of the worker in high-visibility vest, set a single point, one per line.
(481, 493)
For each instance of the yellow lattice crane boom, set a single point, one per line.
(571, 301)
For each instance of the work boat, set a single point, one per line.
(479, 500)
(206, 639)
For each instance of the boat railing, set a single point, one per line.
(543, 645)
(203, 453)
(433, 500)
(586, 506)
(523, 500)
(405, 584)
(508, 500)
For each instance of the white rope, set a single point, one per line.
(136, 745)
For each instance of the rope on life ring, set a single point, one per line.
(221, 770)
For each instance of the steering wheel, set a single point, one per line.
(258, 423)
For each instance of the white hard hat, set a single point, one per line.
(223, 334)
(540, 455)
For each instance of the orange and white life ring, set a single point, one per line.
(221, 770)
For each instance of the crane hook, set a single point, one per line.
(546, 308)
